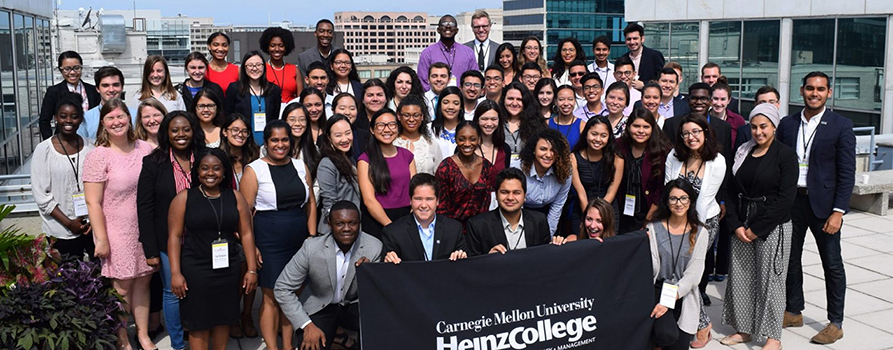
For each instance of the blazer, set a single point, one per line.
(832, 160)
(485, 231)
(491, 52)
(315, 264)
(188, 98)
(652, 187)
(688, 284)
(680, 106)
(776, 181)
(402, 237)
(309, 56)
(236, 102)
(48, 107)
(155, 191)
(332, 188)
(742, 135)
(714, 174)
(650, 64)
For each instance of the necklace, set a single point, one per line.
(201, 189)
(473, 162)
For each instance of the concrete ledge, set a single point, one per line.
(873, 196)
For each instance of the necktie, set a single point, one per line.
(481, 58)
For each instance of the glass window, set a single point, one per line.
(860, 63)
(657, 36)
(523, 19)
(724, 48)
(684, 49)
(812, 50)
(760, 64)
(8, 97)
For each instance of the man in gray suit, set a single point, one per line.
(328, 264)
(484, 48)
(324, 33)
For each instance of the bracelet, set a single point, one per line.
(252, 272)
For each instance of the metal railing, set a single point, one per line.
(19, 194)
(872, 162)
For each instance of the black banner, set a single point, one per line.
(583, 295)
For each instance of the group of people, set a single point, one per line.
(305, 172)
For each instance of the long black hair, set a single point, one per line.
(515, 67)
(162, 153)
(333, 81)
(530, 122)
(608, 153)
(250, 150)
(437, 124)
(228, 173)
(413, 100)
(303, 145)
(379, 173)
(342, 160)
(657, 145)
(322, 98)
(663, 210)
(558, 65)
(485, 106)
(210, 94)
(244, 80)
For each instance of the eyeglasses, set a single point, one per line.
(569, 49)
(678, 200)
(699, 98)
(694, 132)
(493, 79)
(412, 116)
(480, 27)
(296, 120)
(472, 85)
(389, 125)
(67, 70)
(530, 77)
(627, 73)
(205, 107)
(254, 66)
(341, 63)
(532, 48)
(238, 131)
(591, 87)
(576, 74)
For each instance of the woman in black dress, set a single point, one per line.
(210, 215)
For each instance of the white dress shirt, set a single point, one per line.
(516, 238)
(342, 263)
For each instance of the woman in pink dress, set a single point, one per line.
(111, 172)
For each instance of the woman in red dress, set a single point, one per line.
(466, 179)
(220, 72)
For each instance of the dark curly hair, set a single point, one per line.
(416, 83)
(558, 65)
(288, 39)
(413, 100)
(710, 148)
(560, 153)
(530, 122)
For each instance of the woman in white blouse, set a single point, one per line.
(157, 83)
(56, 182)
(696, 158)
(415, 136)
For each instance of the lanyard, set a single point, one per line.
(74, 164)
(514, 139)
(806, 142)
(596, 180)
(518, 242)
(695, 176)
(258, 97)
(218, 218)
(678, 251)
(558, 126)
(443, 51)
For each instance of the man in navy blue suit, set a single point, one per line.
(647, 62)
(826, 148)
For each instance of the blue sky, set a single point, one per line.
(299, 12)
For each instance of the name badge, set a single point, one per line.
(629, 206)
(515, 161)
(668, 295)
(804, 168)
(220, 254)
(260, 121)
(80, 204)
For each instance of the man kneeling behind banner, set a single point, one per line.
(582, 295)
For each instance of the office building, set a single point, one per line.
(247, 38)
(757, 44)
(553, 20)
(27, 67)
(385, 33)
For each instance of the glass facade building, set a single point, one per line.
(26, 70)
(553, 20)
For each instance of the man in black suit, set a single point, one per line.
(710, 73)
(648, 62)
(826, 149)
(765, 94)
(508, 227)
(71, 66)
(423, 235)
